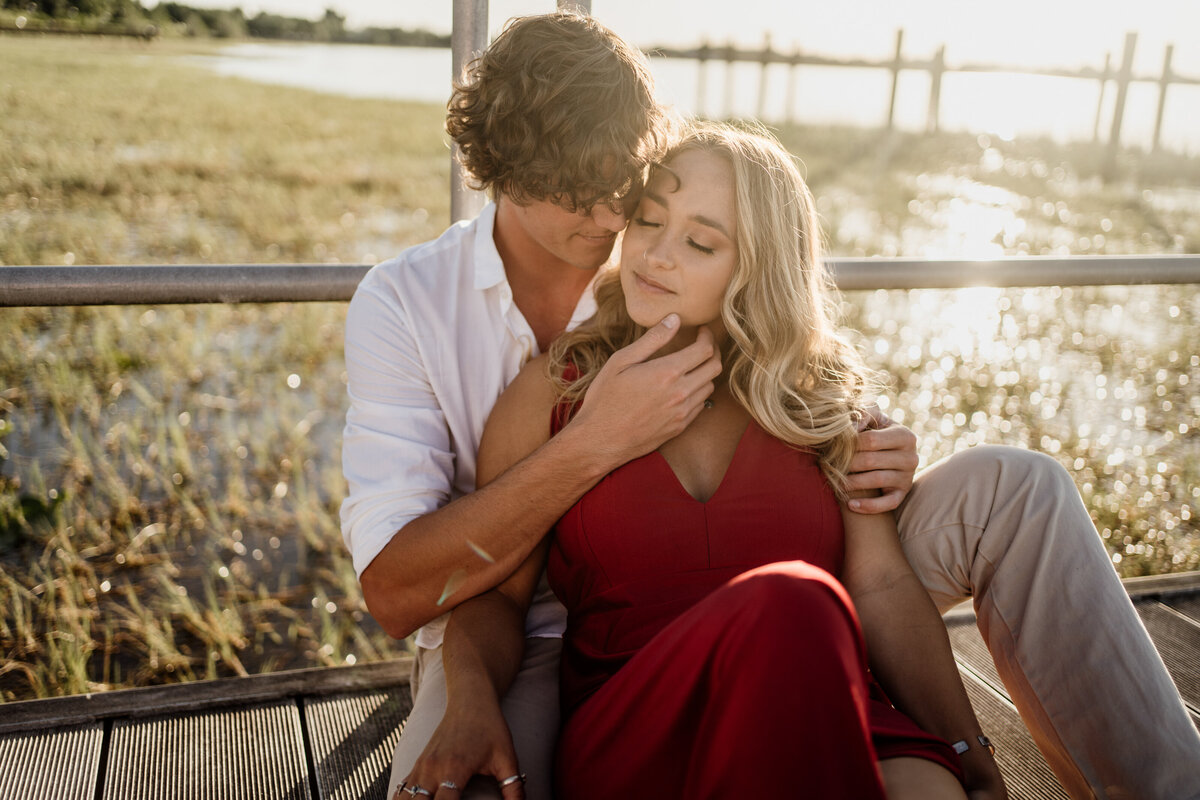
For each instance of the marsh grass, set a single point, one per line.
(170, 476)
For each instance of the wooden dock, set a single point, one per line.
(329, 733)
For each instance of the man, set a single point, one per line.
(558, 122)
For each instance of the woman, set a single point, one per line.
(710, 650)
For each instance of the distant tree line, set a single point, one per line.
(182, 19)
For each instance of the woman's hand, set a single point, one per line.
(886, 461)
(468, 742)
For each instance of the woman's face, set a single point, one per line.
(680, 247)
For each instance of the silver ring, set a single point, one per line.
(512, 780)
(415, 790)
(450, 785)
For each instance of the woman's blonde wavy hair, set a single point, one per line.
(785, 362)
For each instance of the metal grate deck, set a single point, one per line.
(328, 734)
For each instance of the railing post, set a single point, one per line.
(1163, 83)
(895, 78)
(468, 40)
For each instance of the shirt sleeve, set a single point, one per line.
(396, 452)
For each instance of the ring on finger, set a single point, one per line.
(450, 785)
(512, 779)
(415, 790)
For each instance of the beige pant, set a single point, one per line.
(1006, 527)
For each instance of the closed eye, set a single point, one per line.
(708, 251)
(642, 222)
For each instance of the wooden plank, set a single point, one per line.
(51, 765)
(352, 738)
(1021, 763)
(1177, 638)
(192, 697)
(252, 753)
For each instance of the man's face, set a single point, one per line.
(583, 238)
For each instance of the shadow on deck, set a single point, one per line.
(329, 733)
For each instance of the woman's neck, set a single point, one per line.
(687, 336)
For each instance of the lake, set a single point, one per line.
(1003, 104)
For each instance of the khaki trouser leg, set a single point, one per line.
(1007, 527)
(530, 708)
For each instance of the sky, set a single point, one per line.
(1043, 33)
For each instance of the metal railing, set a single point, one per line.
(269, 283)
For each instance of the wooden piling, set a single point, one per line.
(1163, 83)
(1100, 101)
(895, 70)
(1124, 76)
(936, 69)
(764, 62)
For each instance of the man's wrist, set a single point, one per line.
(589, 456)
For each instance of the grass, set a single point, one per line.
(170, 476)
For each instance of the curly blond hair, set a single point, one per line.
(785, 362)
(558, 107)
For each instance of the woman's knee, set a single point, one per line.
(780, 598)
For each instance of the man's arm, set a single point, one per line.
(883, 466)
(471, 544)
(485, 635)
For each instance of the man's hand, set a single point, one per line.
(637, 402)
(468, 742)
(885, 461)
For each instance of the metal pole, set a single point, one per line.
(280, 283)
(468, 40)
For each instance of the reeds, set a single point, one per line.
(170, 476)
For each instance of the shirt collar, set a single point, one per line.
(489, 269)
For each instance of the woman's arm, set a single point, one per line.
(908, 647)
(485, 635)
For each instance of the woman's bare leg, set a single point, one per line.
(919, 779)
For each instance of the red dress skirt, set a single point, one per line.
(709, 650)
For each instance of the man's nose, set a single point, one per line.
(609, 218)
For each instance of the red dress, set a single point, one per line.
(709, 651)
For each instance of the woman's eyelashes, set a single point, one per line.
(708, 251)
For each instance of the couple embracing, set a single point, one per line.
(652, 535)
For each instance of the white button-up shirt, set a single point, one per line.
(432, 339)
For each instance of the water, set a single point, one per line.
(1006, 105)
